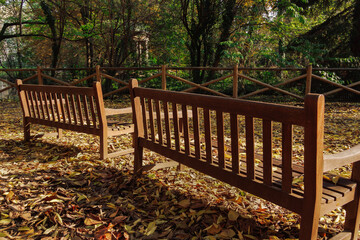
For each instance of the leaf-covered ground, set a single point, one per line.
(59, 189)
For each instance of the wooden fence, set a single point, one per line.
(164, 74)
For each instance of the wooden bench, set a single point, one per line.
(264, 176)
(78, 109)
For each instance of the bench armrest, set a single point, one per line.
(332, 161)
(117, 111)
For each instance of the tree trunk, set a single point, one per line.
(355, 35)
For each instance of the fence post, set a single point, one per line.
(40, 79)
(163, 77)
(98, 74)
(235, 81)
(308, 79)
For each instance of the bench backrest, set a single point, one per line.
(202, 144)
(66, 107)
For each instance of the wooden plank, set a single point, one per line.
(51, 105)
(220, 138)
(58, 89)
(143, 112)
(275, 112)
(313, 165)
(186, 129)
(267, 148)
(80, 110)
(176, 126)
(195, 113)
(57, 107)
(151, 117)
(47, 105)
(167, 124)
(287, 142)
(37, 104)
(158, 119)
(73, 108)
(86, 109)
(250, 148)
(95, 117)
(234, 127)
(207, 128)
(62, 102)
(270, 193)
(32, 104)
(67, 106)
(42, 103)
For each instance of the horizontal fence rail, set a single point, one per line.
(164, 74)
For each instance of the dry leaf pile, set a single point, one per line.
(58, 189)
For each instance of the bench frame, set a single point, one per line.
(150, 133)
(79, 109)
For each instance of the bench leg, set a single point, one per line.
(352, 218)
(26, 131)
(103, 147)
(60, 133)
(138, 159)
(310, 223)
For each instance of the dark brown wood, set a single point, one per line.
(287, 141)
(151, 118)
(269, 178)
(250, 148)
(167, 124)
(267, 148)
(234, 126)
(220, 138)
(185, 129)
(207, 127)
(176, 125)
(158, 119)
(195, 113)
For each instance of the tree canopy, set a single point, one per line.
(79, 33)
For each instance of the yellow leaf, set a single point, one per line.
(90, 221)
(227, 234)
(213, 229)
(185, 203)
(150, 228)
(5, 221)
(232, 215)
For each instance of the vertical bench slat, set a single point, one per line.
(176, 126)
(186, 129)
(57, 107)
(37, 104)
(92, 108)
(80, 110)
(207, 126)
(143, 108)
(27, 97)
(32, 104)
(220, 138)
(151, 117)
(267, 148)
(62, 102)
(250, 149)
(51, 104)
(158, 118)
(234, 126)
(86, 109)
(287, 141)
(73, 107)
(42, 105)
(67, 106)
(47, 105)
(167, 124)
(195, 113)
